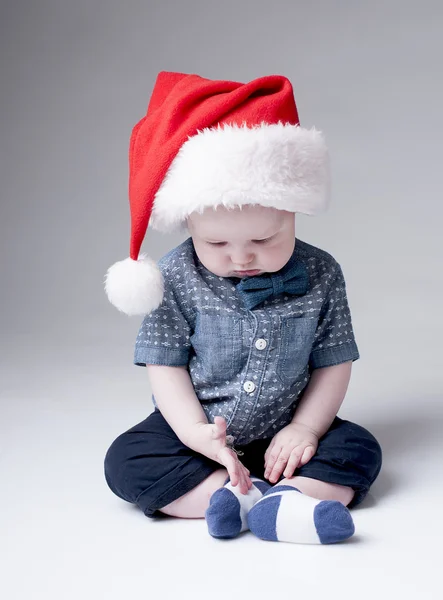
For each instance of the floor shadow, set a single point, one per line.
(402, 436)
(383, 486)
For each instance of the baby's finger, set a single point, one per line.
(268, 451)
(248, 481)
(220, 427)
(241, 475)
(307, 455)
(243, 484)
(293, 463)
(231, 463)
(234, 476)
(244, 481)
(278, 468)
(272, 458)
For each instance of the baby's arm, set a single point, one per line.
(323, 397)
(176, 399)
(180, 406)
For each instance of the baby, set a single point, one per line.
(247, 335)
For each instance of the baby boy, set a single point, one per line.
(247, 335)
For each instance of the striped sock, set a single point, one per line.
(284, 514)
(228, 509)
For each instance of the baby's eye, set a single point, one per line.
(216, 243)
(262, 241)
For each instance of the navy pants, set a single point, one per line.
(150, 467)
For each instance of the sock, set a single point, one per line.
(228, 509)
(284, 514)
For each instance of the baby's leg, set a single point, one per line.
(224, 506)
(150, 467)
(285, 514)
(194, 504)
(321, 489)
(311, 507)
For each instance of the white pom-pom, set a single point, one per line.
(135, 287)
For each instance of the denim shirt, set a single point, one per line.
(249, 366)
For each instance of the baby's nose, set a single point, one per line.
(242, 259)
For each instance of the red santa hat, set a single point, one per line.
(207, 143)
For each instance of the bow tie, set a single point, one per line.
(292, 279)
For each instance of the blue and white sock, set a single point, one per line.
(228, 509)
(284, 514)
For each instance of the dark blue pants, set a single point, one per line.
(149, 466)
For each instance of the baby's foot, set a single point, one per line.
(284, 514)
(228, 509)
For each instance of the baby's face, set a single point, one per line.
(243, 242)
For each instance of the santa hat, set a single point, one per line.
(206, 143)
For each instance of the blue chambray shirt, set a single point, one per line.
(248, 366)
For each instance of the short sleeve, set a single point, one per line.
(163, 337)
(334, 341)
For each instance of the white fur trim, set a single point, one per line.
(282, 166)
(135, 287)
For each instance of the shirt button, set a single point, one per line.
(249, 386)
(261, 344)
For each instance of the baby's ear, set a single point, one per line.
(184, 226)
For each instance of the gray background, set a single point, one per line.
(75, 78)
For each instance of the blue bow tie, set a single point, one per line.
(292, 279)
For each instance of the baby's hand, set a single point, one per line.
(210, 440)
(291, 447)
